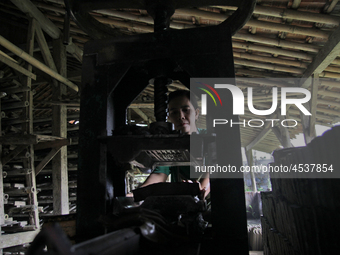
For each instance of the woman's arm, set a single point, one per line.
(155, 178)
(205, 186)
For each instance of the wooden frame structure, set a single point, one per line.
(283, 39)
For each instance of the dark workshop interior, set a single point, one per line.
(84, 88)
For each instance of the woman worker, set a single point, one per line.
(183, 113)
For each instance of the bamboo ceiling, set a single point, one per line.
(282, 39)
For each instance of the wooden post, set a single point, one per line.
(59, 128)
(313, 104)
(284, 136)
(28, 128)
(249, 155)
(308, 122)
(2, 212)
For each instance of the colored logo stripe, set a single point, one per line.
(208, 92)
(213, 90)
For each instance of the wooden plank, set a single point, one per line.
(19, 139)
(46, 160)
(17, 67)
(325, 56)
(17, 239)
(59, 128)
(52, 144)
(12, 154)
(67, 103)
(48, 138)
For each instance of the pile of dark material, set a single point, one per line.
(301, 214)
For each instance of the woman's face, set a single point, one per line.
(183, 114)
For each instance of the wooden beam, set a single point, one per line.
(142, 105)
(30, 59)
(19, 139)
(47, 25)
(271, 50)
(17, 67)
(297, 112)
(323, 59)
(67, 103)
(8, 57)
(30, 9)
(284, 133)
(330, 7)
(308, 122)
(28, 128)
(45, 51)
(75, 51)
(15, 105)
(297, 15)
(265, 131)
(257, 23)
(284, 140)
(13, 154)
(296, 4)
(249, 155)
(328, 102)
(264, 10)
(46, 160)
(276, 42)
(279, 68)
(17, 238)
(142, 114)
(52, 144)
(305, 125)
(329, 93)
(59, 128)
